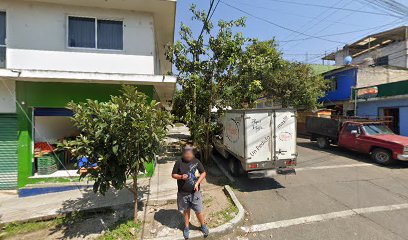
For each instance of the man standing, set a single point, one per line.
(189, 194)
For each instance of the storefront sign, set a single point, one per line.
(370, 92)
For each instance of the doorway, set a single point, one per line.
(393, 115)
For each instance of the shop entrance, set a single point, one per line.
(393, 115)
(50, 127)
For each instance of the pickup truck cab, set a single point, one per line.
(375, 139)
(370, 137)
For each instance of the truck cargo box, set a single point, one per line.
(261, 138)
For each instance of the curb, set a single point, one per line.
(220, 229)
(223, 170)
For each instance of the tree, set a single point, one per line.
(179, 107)
(215, 69)
(120, 136)
(291, 84)
(205, 64)
(295, 85)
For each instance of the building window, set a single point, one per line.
(95, 33)
(2, 39)
(333, 84)
(381, 61)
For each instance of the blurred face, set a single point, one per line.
(188, 156)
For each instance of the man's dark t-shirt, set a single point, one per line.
(181, 167)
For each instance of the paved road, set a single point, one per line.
(335, 195)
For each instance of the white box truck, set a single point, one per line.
(256, 140)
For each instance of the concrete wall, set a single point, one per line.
(37, 39)
(396, 52)
(371, 108)
(368, 76)
(7, 96)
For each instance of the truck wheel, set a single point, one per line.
(382, 156)
(235, 167)
(322, 142)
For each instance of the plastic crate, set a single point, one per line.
(46, 164)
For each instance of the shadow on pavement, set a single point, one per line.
(245, 184)
(94, 213)
(171, 218)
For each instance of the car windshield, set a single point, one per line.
(376, 129)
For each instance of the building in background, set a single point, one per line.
(343, 80)
(381, 49)
(386, 100)
(56, 51)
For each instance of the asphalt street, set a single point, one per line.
(336, 194)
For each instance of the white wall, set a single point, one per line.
(37, 39)
(52, 128)
(7, 96)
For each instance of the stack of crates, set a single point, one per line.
(47, 164)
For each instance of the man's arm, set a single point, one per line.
(200, 179)
(177, 176)
(203, 174)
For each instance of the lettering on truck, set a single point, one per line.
(260, 145)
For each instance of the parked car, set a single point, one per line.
(361, 135)
(256, 140)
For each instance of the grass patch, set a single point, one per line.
(122, 230)
(14, 229)
(52, 180)
(223, 216)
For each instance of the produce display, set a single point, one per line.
(41, 148)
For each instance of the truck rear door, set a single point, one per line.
(285, 135)
(258, 138)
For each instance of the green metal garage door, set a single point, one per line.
(8, 151)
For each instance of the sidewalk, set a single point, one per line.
(45, 206)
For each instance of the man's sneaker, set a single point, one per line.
(186, 233)
(205, 230)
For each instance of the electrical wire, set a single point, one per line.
(279, 11)
(339, 8)
(277, 25)
(318, 22)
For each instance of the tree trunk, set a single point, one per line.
(135, 198)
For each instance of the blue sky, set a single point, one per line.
(309, 20)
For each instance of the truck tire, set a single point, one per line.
(235, 167)
(382, 156)
(322, 142)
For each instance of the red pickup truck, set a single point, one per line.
(361, 135)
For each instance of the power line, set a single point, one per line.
(277, 25)
(337, 34)
(279, 11)
(324, 18)
(206, 18)
(339, 8)
(389, 6)
(377, 29)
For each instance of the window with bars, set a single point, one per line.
(84, 32)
